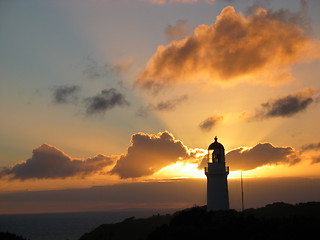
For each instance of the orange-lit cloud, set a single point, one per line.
(153, 155)
(149, 153)
(259, 47)
(263, 154)
(50, 162)
(260, 155)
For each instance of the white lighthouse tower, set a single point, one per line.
(217, 173)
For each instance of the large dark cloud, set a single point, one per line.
(286, 106)
(259, 47)
(49, 162)
(260, 155)
(149, 153)
(106, 100)
(65, 94)
(210, 122)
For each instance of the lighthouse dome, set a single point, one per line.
(216, 145)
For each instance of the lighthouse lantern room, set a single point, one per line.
(217, 173)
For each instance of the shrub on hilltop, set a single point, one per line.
(10, 236)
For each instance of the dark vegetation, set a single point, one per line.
(274, 221)
(10, 236)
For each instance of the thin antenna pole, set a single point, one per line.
(242, 202)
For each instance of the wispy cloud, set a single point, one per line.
(162, 106)
(311, 146)
(168, 105)
(286, 106)
(93, 70)
(177, 31)
(65, 94)
(108, 99)
(104, 101)
(313, 150)
(210, 122)
(120, 66)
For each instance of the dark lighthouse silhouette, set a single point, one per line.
(217, 173)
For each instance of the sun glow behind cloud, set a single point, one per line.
(180, 170)
(191, 170)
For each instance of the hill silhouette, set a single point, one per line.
(274, 221)
(130, 228)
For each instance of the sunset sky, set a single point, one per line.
(117, 92)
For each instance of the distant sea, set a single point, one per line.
(66, 226)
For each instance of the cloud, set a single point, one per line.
(149, 153)
(210, 122)
(260, 47)
(311, 146)
(142, 112)
(316, 159)
(65, 94)
(260, 155)
(106, 100)
(177, 31)
(313, 150)
(100, 103)
(121, 66)
(162, 106)
(169, 105)
(49, 162)
(286, 106)
(93, 70)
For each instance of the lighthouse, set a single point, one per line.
(217, 173)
